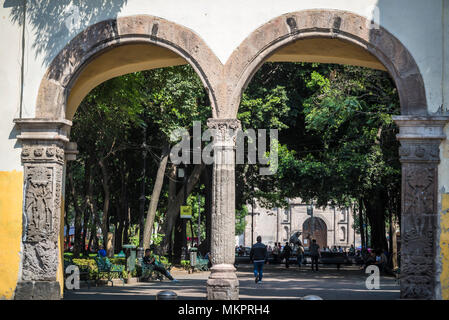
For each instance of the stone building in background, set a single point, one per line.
(329, 226)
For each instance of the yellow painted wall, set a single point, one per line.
(11, 189)
(444, 247)
(60, 275)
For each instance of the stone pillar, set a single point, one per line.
(420, 138)
(223, 283)
(43, 158)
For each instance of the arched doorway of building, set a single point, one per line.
(314, 228)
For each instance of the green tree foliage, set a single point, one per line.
(340, 146)
(336, 143)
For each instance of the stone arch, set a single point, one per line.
(108, 35)
(45, 138)
(284, 30)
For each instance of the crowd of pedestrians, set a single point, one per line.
(260, 253)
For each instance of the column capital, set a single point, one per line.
(421, 127)
(46, 139)
(228, 123)
(420, 138)
(224, 131)
(43, 129)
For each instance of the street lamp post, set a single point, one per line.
(142, 192)
(310, 213)
(252, 221)
(199, 220)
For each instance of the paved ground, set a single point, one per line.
(278, 283)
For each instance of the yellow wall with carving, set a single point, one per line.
(444, 247)
(11, 186)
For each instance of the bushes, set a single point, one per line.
(185, 264)
(89, 262)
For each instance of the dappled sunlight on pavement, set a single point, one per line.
(278, 283)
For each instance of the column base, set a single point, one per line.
(38, 290)
(223, 283)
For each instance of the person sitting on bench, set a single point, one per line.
(150, 259)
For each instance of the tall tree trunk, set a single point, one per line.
(86, 216)
(66, 219)
(155, 196)
(206, 179)
(106, 202)
(118, 229)
(126, 227)
(123, 206)
(171, 198)
(77, 246)
(375, 209)
(179, 230)
(85, 231)
(178, 244)
(361, 223)
(174, 206)
(91, 202)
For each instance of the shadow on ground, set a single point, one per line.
(278, 283)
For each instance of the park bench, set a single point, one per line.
(104, 266)
(201, 264)
(336, 258)
(84, 271)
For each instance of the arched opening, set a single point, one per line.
(115, 62)
(331, 36)
(315, 228)
(101, 52)
(115, 47)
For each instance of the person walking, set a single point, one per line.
(258, 255)
(286, 253)
(315, 254)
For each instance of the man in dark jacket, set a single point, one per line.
(258, 255)
(287, 252)
(315, 254)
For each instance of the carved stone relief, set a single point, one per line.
(419, 220)
(43, 164)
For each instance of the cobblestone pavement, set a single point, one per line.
(278, 283)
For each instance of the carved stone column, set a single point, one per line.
(43, 158)
(223, 283)
(420, 139)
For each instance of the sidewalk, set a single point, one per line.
(278, 283)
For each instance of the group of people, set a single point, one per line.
(259, 256)
(375, 257)
(334, 249)
(280, 252)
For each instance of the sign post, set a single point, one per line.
(186, 212)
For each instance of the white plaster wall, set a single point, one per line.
(10, 57)
(223, 25)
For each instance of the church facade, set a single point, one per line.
(330, 226)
